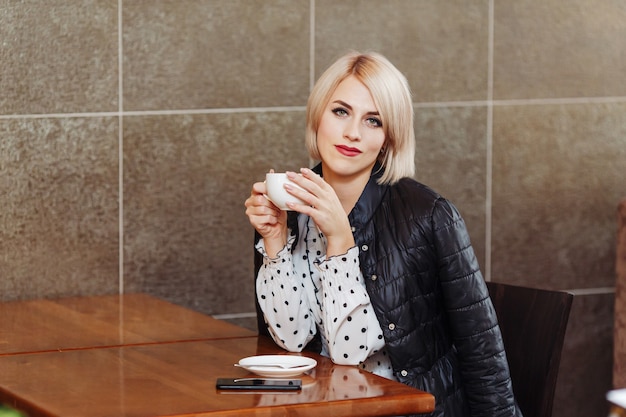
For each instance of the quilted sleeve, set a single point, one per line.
(471, 317)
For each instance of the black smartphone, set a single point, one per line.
(259, 384)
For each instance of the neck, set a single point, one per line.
(348, 189)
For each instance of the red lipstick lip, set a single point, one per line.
(347, 150)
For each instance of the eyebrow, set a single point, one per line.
(343, 103)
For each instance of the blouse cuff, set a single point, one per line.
(349, 258)
(282, 254)
(341, 267)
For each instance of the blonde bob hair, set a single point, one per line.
(392, 97)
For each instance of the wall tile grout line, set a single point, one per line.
(489, 144)
(563, 100)
(58, 115)
(278, 109)
(311, 53)
(120, 139)
(312, 45)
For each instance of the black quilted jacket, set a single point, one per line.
(430, 298)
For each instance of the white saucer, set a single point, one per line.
(297, 365)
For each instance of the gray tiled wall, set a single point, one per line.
(520, 120)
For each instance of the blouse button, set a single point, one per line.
(374, 277)
(353, 229)
(404, 372)
(364, 248)
(392, 326)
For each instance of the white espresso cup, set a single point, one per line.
(276, 193)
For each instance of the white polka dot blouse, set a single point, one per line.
(303, 292)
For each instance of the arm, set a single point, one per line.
(472, 318)
(270, 224)
(350, 324)
(281, 298)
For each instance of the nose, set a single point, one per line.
(352, 131)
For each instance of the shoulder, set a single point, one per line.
(417, 195)
(412, 188)
(416, 201)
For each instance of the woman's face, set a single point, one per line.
(350, 134)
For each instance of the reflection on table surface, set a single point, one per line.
(617, 400)
(178, 378)
(101, 321)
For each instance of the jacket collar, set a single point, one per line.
(370, 198)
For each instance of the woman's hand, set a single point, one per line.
(324, 207)
(267, 219)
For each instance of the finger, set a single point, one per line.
(263, 220)
(311, 175)
(313, 182)
(304, 183)
(259, 188)
(306, 209)
(266, 207)
(261, 200)
(301, 195)
(256, 200)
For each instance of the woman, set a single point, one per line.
(376, 269)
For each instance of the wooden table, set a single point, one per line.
(178, 379)
(103, 321)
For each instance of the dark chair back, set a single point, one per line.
(533, 324)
